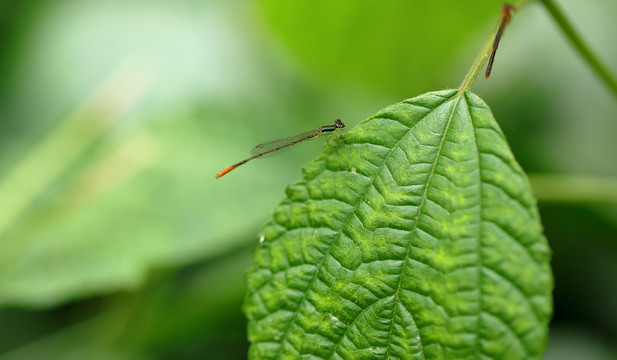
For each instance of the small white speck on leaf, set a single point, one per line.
(262, 238)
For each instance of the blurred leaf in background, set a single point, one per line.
(380, 46)
(117, 240)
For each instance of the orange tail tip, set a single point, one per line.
(225, 171)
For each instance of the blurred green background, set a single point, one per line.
(116, 241)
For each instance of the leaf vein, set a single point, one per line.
(420, 208)
(384, 161)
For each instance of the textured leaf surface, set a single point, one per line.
(414, 236)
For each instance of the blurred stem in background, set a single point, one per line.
(68, 140)
(574, 189)
(592, 60)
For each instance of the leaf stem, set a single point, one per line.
(574, 189)
(592, 60)
(485, 53)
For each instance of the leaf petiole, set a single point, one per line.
(486, 51)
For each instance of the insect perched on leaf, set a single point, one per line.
(273, 146)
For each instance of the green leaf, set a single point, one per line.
(379, 45)
(416, 235)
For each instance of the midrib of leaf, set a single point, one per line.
(415, 226)
(479, 244)
(353, 212)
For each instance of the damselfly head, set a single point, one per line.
(339, 124)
